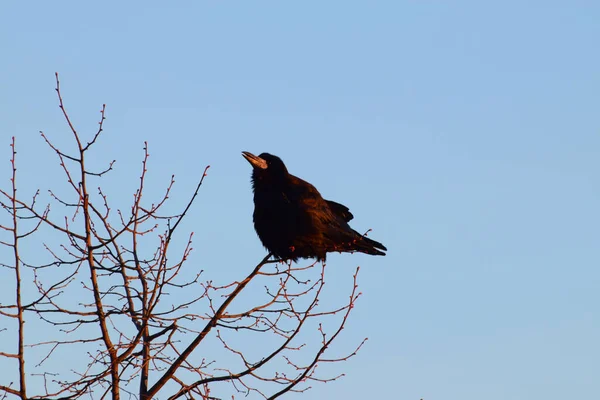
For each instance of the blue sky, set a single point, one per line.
(465, 134)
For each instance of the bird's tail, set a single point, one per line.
(363, 244)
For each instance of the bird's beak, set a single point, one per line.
(256, 161)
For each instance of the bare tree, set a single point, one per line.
(104, 319)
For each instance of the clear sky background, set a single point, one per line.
(466, 134)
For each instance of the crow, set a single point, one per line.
(293, 221)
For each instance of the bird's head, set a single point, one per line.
(266, 168)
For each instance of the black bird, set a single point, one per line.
(293, 221)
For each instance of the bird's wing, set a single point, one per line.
(310, 198)
(340, 210)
